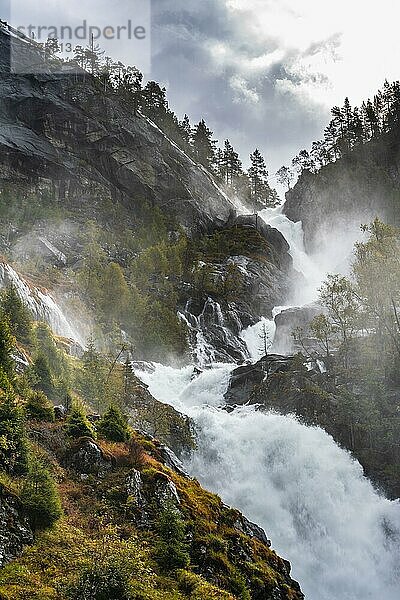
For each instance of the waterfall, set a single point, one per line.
(342, 537)
(42, 306)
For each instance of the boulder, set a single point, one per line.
(15, 531)
(87, 458)
(244, 380)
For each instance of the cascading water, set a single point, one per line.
(42, 305)
(342, 537)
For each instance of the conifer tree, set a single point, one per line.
(7, 349)
(42, 371)
(13, 440)
(78, 424)
(185, 130)
(233, 164)
(40, 497)
(203, 145)
(18, 315)
(113, 425)
(39, 408)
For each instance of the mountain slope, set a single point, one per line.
(65, 128)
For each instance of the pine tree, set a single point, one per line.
(113, 425)
(13, 440)
(185, 130)
(203, 145)
(40, 497)
(7, 349)
(129, 88)
(41, 370)
(154, 102)
(78, 424)
(261, 192)
(220, 165)
(302, 162)
(233, 164)
(39, 408)
(258, 175)
(93, 375)
(171, 549)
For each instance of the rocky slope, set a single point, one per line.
(351, 191)
(113, 493)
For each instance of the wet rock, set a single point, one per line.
(15, 531)
(244, 380)
(288, 321)
(252, 530)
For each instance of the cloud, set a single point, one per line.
(262, 72)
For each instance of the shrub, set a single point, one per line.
(113, 426)
(39, 408)
(78, 424)
(171, 549)
(40, 497)
(7, 348)
(108, 572)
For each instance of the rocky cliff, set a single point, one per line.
(63, 128)
(355, 189)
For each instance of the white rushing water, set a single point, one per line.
(42, 306)
(342, 538)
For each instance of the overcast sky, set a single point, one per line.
(262, 72)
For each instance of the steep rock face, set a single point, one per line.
(351, 191)
(15, 531)
(288, 321)
(216, 323)
(62, 128)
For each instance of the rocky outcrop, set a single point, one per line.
(87, 458)
(62, 128)
(15, 531)
(286, 324)
(351, 191)
(245, 380)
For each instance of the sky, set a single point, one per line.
(263, 73)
